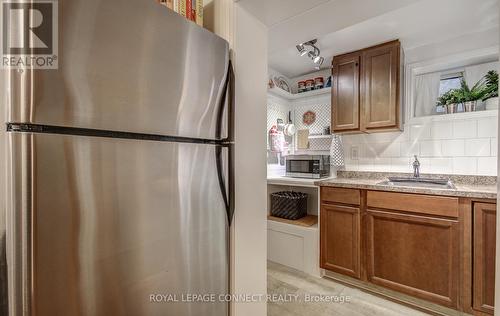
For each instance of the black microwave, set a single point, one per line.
(306, 166)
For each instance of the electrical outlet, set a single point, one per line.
(354, 152)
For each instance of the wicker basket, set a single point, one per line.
(289, 204)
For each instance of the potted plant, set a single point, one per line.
(470, 96)
(491, 90)
(445, 100)
(456, 100)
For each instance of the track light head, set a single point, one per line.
(318, 60)
(313, 52)
(302, 50)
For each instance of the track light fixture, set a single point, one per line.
(313, 52)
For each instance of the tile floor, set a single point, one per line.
(283, 280)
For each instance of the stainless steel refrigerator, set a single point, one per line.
(116, 168)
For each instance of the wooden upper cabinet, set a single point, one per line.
(484, 257)
(366, 89)
(345, 93)
(380, 98)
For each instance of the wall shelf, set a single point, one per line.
(320, 136)
(454, 116)
(294, 96)
(307, 221)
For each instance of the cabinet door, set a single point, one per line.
(484, 257)
(416, 255)
(380, 102)
(345, 93)
(340, 239)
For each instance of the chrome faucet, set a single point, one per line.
(416, 168)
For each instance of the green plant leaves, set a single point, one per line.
(485, 88)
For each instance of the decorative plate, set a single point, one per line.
(309, 117)
(282, 83)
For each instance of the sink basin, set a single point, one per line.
(439, 183)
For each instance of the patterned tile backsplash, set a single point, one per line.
(458, 144)
(317, 104)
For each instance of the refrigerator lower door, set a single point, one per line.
(105, 226)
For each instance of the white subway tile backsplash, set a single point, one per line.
(430, 148)
(465, 129)
(409, 149)
(478, 147)
(400, 165)
(425, 164)
(465, 165)
(381, 164)
(487, 166)
(420, 132)
(442, 130)
(368, 151)
(487, 127)
(387, 137)
(388, 150)
(365, 164)
(440, 165)
(453, 148)
(351, 164)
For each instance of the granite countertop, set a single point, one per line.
(480, 187)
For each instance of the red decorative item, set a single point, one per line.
(309, 117)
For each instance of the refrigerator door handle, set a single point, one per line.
(227, 192)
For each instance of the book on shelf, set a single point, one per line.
(168, 3)
(190, 9)
(199, 12)
(182, 8)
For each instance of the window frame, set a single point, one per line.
(446, 63)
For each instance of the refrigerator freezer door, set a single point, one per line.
(103, 226)
(142, 69)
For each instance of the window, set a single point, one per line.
(449, 82)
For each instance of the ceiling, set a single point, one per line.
(346, 25)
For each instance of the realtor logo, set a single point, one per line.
(29, 34)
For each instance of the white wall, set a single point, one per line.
(249, 229)
(250, 221)
(467, 42)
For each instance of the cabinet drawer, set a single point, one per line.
(341, 195)
(424, 204)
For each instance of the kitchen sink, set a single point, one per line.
(434, 183)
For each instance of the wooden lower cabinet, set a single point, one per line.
(340, 239)
(483, 293)
(413, 254)
(436, 248)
